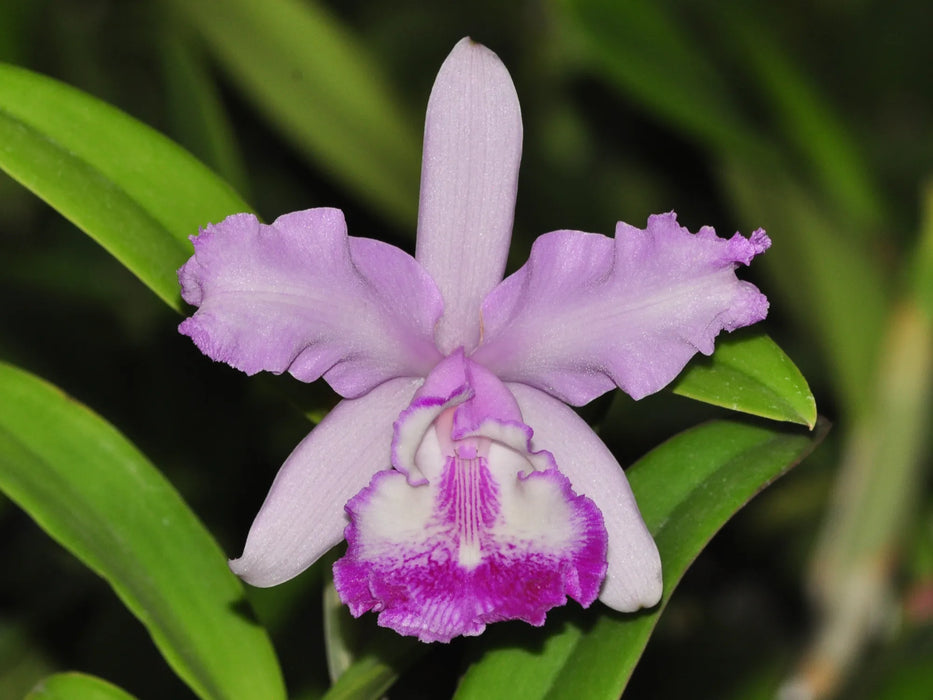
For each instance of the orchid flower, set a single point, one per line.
(467, 489)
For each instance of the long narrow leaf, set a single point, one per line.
(687, 489)
(370, 676)
(196, 110)
(128, 187)
(311, 78)
(94, 493)
(640, 47)
(363, 662)
(76, 686)
(807, 119)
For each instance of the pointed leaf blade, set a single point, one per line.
(128, 187)
(94, 493)
(753, 375)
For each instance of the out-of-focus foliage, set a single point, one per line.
(322, 87)
(810, 120)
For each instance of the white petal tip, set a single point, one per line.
(253, 575)
(628, 599)
(638, 583)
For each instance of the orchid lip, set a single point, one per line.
(448, 553)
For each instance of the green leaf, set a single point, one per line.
(808, 120)
(368, 678)
(833, 283)
(922, 272)
(341, 636)
(316, 82)
(128, 187)
(639, 46)
(364, 660)
(94, 493)
(686, 489)
(76, 686)
(23, 658)
(753, 375)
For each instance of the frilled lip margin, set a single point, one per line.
(473, 526)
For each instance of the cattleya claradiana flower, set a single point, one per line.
(467, 490)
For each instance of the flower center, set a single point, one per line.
(472, 526)
(468, 507)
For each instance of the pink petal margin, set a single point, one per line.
(587, 313)
(633, 579)
(301, 296)
(469, 179)
(303, 515)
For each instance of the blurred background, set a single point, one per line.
(810, 119)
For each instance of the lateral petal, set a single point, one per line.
(301, 296)
(303, 514)
(469, 178)
(587, 313)
(633, 579)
